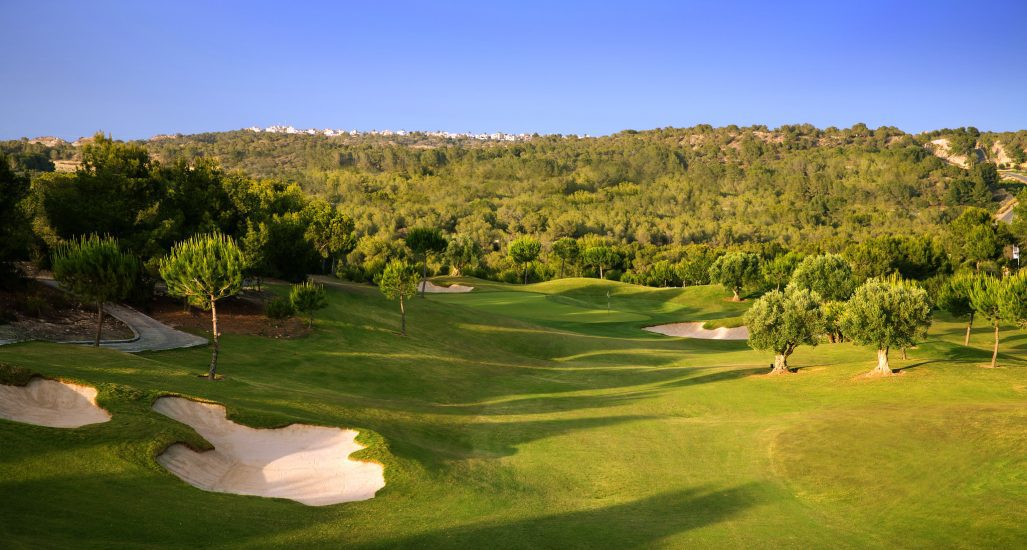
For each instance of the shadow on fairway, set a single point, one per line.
(630, 525)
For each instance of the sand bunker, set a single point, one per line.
(696, 330)
(429, 287)
(51, 403)
(308, 464)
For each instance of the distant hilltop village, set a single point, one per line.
(497, 136)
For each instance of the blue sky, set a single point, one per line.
(135, 69)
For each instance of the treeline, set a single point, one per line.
(798, 186)
(119, 190)
(655, 208)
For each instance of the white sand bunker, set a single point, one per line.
(430, 287)
(51, 403)
(308, 464)
(696, 330)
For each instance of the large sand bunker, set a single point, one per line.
(308, 464)
(51, 403)
(696, 330)
(429, 287)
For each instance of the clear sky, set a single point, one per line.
(135, 69)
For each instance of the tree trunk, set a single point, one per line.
(994, 353)
(99, 322)
(780, 364)
(883, 367)
(402, 317)
(904, 356)
(970, 325)
(424, 279)
(525, 273)
(214, 350)
(601, 272)
(310, 320)
(563, 262)
(736, 297)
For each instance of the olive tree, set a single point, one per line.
(204, 269)
(307, 298)
(778, 271)
(886, 314)
(425, 241)
(567, 250)
(399, 282)
(829, 275)
(782, 321)
(954, 297)
(525, 250)
(735, 270)
(987, 297)
(94, 269)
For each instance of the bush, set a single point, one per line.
(278, 308)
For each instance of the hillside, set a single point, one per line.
(796, 185)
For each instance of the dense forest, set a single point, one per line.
(665, 203)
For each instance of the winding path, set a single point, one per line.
(149, 333)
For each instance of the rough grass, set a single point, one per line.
(726, 322)
(534, 417)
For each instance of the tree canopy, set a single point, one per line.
(886, 314)
(782, 321)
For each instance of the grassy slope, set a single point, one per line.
(531, 416)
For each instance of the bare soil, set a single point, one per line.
(37, 312)
(242, 314)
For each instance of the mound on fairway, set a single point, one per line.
(429, 287)
(696, 330)
(51, 403)
(308, 464)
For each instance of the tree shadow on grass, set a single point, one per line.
(639, 523)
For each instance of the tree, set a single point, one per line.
(204, 269)
(973, 236)
(954, 297)
(307, 298)
(567, 250)
(14, 188)
(399, 282)
(424, 241)
(1014, 304)
(601, 257)
(779, 271)
(525, 250)
(828, 275)
(463, 251)
(96, 270)
(782, 321)
(255, 243)
(328, 231)
(885, 315)
(987, 297)
(735, 270)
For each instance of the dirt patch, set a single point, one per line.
(242, 314)
(34, 311)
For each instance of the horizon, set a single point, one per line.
(572, 69)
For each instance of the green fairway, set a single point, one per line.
(542, 416)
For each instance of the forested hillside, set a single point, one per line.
(657, 195)
(796, 185)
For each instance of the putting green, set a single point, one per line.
(515, 417)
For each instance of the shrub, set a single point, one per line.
(278, 308)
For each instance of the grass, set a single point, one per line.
(726, 322)
(541, 416)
